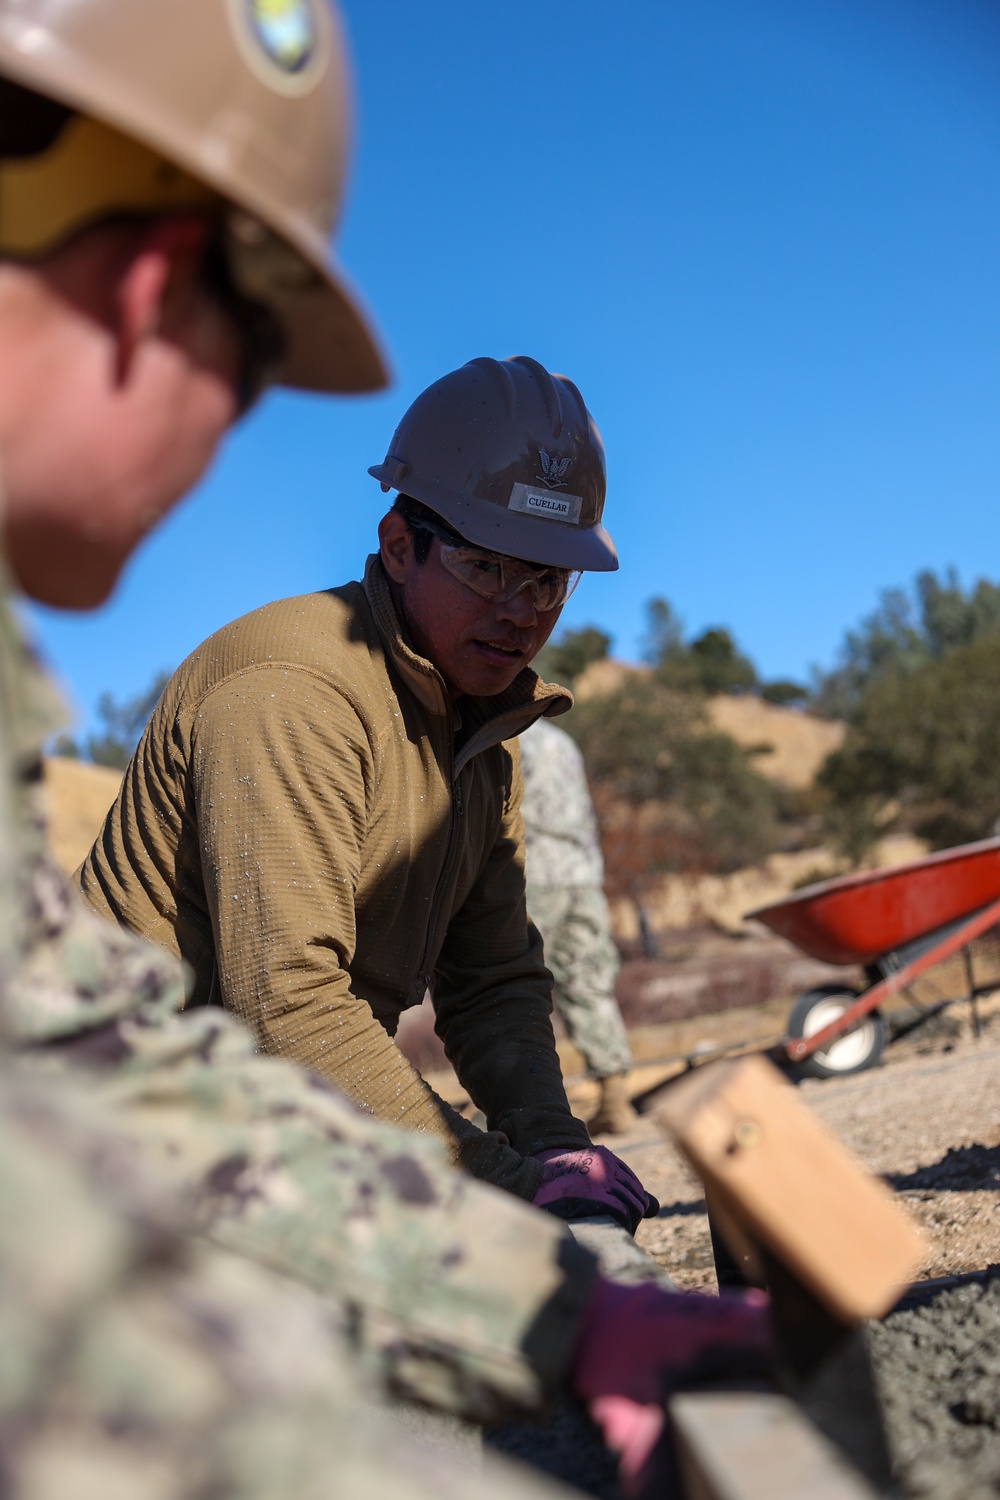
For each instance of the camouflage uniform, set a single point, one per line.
(344, 1252)
(565, 874)
(139, 1364)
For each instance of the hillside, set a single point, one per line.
(78, 796)
(800, 742)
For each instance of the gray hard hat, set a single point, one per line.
(509, 456)
(180, 103)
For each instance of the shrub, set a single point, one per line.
(670, 793)
(926, 738)
(567, 658)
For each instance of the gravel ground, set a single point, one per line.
(938, 1368)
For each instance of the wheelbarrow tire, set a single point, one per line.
(853, 1053)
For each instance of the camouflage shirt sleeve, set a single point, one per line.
(459, 1295)
(140, 1361)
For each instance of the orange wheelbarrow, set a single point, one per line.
(895, 923)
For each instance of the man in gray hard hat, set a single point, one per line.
(371, 844)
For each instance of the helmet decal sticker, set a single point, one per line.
(286, 30)
(553, 470)
(544, 503)
(285, 42)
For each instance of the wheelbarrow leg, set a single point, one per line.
(977, 1029)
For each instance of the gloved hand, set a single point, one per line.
(638, 1342)
(583, 1183)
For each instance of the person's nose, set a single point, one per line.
(519, 609)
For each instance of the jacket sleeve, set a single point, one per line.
(452, 1293)
(493, 1000)
(283, 782)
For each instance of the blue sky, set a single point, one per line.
(763, 237)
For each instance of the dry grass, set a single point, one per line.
(77, 796)
(800, 743)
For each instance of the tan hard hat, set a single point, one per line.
(511, 458)
(248, 99)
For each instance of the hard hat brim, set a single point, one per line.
(530, 538)
(331, 346)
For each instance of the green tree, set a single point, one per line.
(567, 658)
(664, 637)
(121, 725)
(711, 663)
(671, 793)
(721, 668)
(906, 632)
(782, 692)
(926, 739)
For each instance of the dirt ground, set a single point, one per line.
(928, 1122)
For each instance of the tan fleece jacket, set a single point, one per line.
(312, 827)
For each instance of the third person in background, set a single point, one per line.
(565, 878)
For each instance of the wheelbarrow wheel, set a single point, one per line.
(859, 1049)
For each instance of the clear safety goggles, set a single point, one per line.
(494, 575)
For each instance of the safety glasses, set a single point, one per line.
(495, 576)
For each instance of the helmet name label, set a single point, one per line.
(548, 504)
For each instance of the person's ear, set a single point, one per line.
(395, 540)
(154, 262)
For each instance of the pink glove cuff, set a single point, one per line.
(637, 1340)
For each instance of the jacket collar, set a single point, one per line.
(488, 720)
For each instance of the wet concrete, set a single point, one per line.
(938, 1369)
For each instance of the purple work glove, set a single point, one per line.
(638, 1342)
(584, 1183)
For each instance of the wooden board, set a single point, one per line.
(755, 1446)
(770, 1164)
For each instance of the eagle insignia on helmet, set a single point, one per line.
(554, 470)
(286, 30)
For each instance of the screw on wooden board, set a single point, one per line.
(798, 1191)
(748, 1133)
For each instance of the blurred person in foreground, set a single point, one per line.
(207, 1257)
(565, 888)
(323, 815)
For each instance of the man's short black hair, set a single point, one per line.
(414, 512)
(29, 122)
